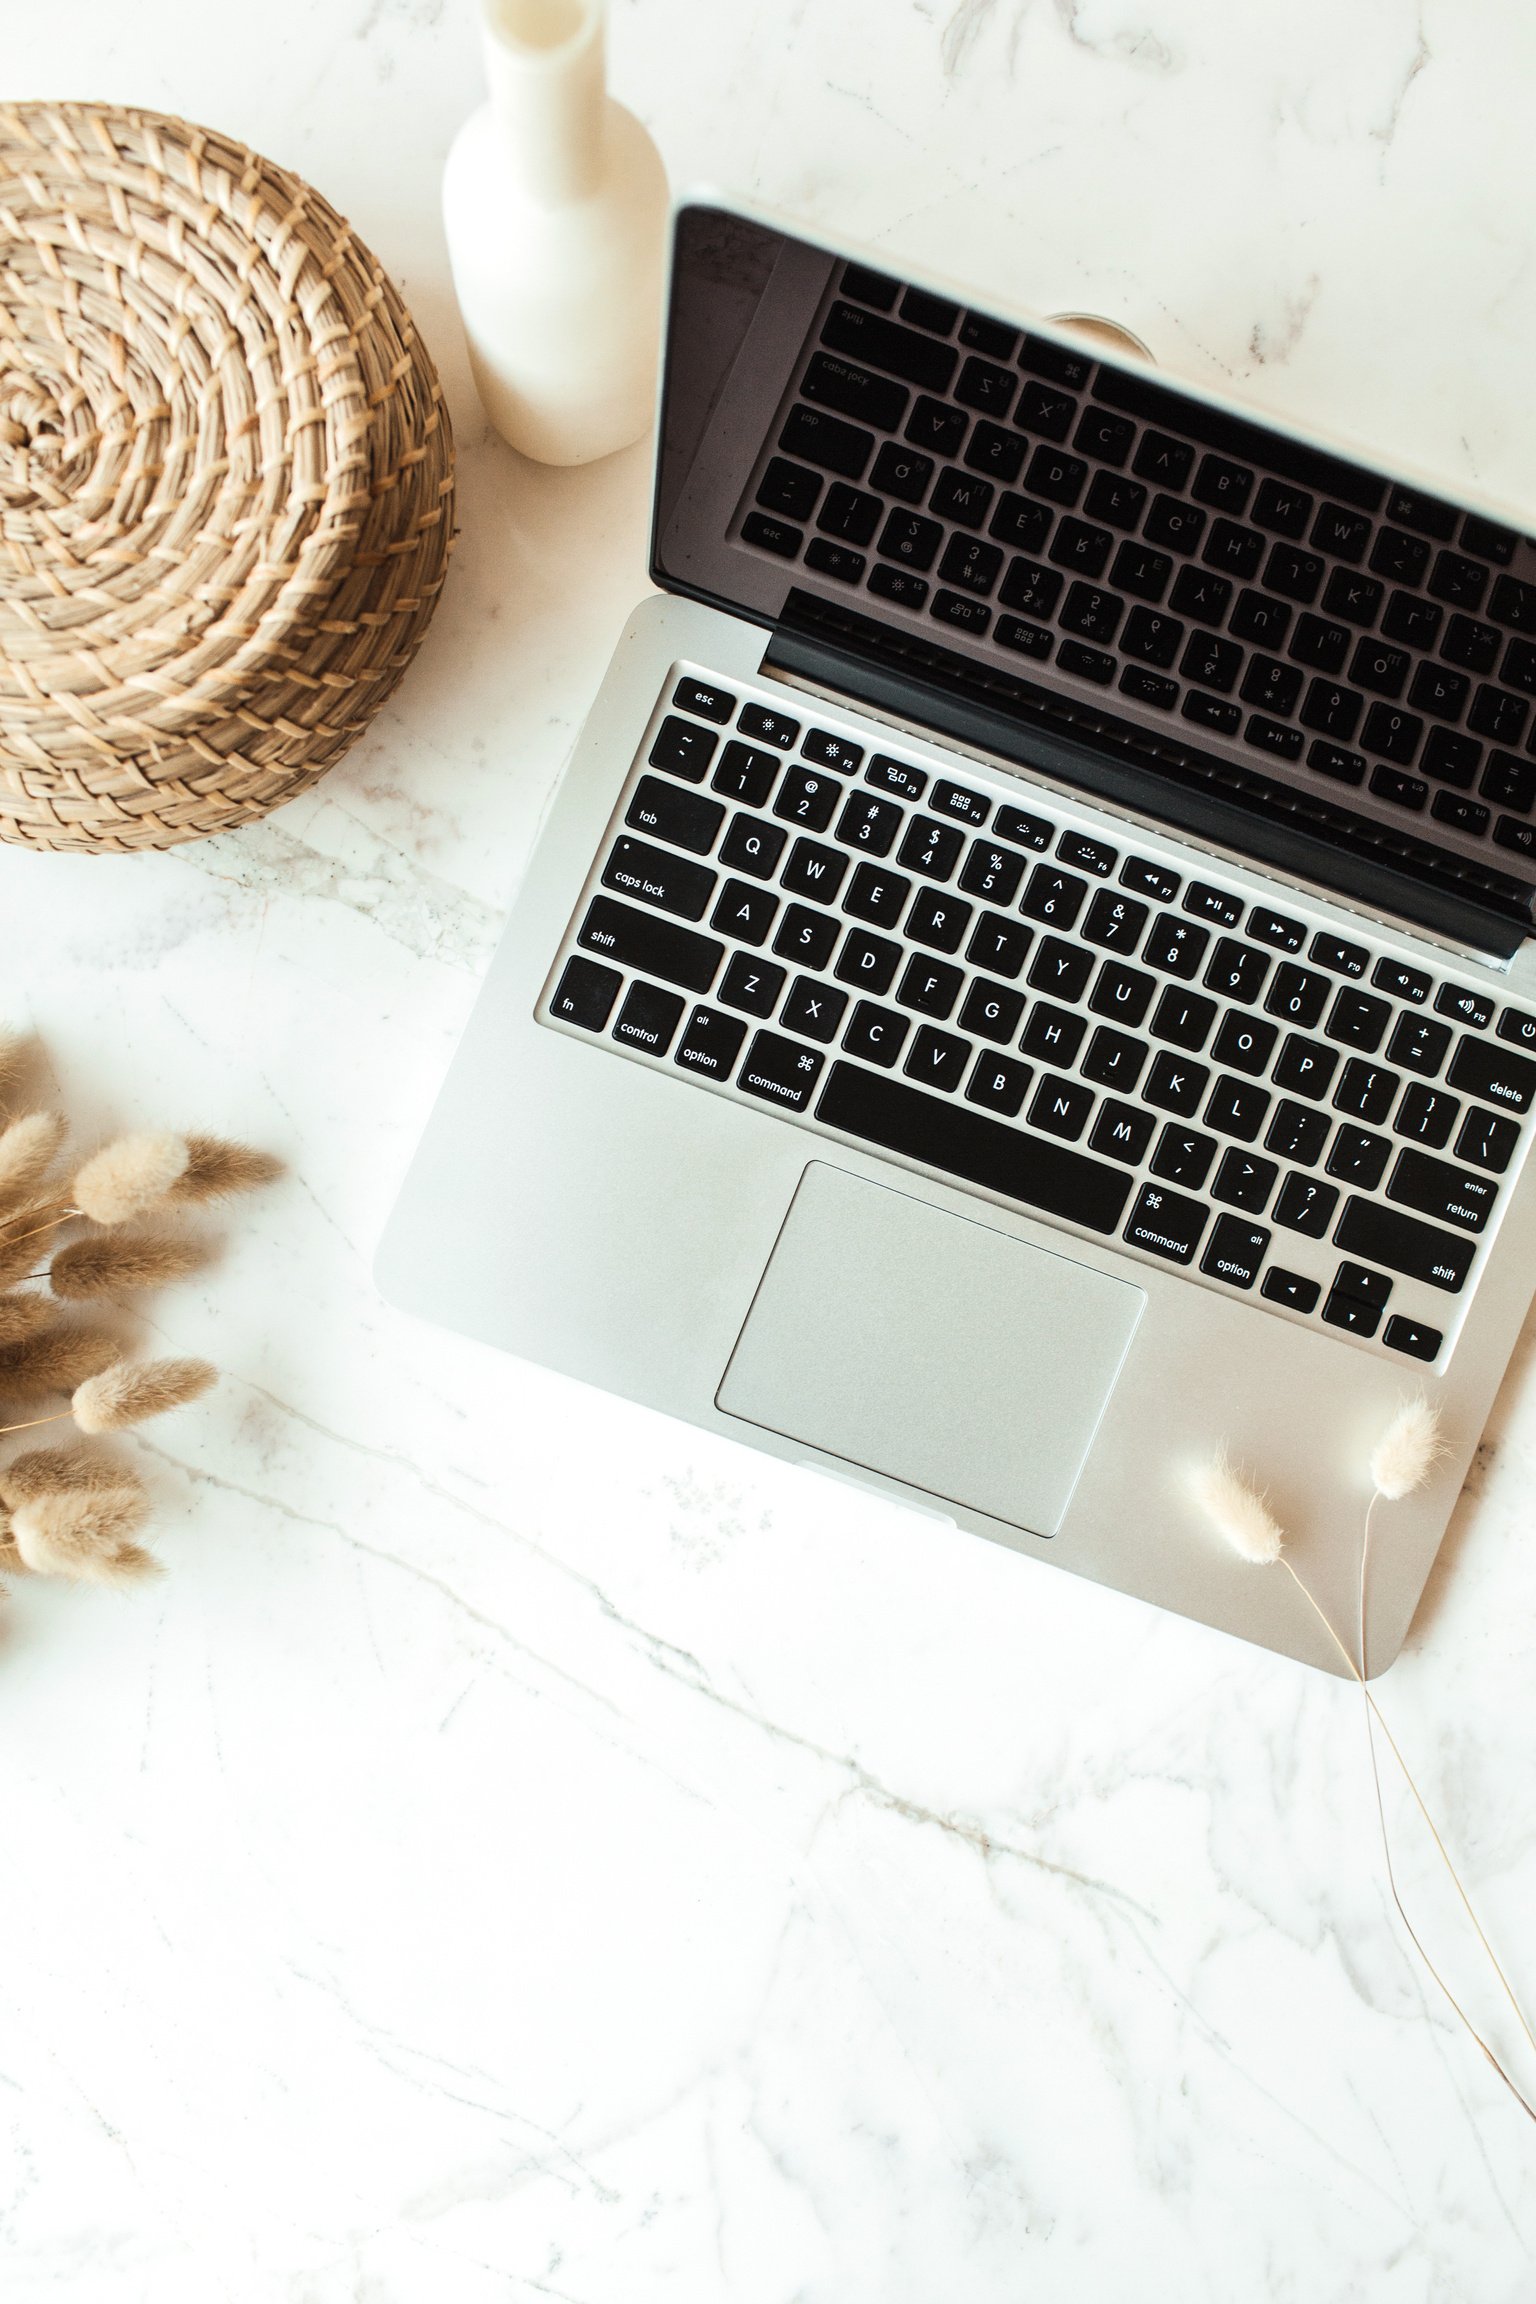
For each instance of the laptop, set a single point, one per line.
(1026, 979)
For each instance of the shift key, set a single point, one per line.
(656, 947)
(653, 877)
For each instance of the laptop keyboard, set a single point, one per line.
(1000, 986)
(1288, 602)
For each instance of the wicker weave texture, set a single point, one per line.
(226, 481)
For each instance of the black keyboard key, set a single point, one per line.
(1498, 714)
(1295, 573)
(991, 1011)
(1118, 501)
(963, 497)
(1358, 1020)
(900, 585)
(1237, 970)
(1235, 1252)
(1321, 644)
(1513, 603)
(1035, 1171)
(1487, 539)
(1152, 638)
(1223, 485)
(1519, 666)
(938, 919)
(1395, 735)
(1413, 621)
(887, 775)
(868, 962)
(1355, 1317)
(745, 912)
(1166, 1224)
(911, 539)
(932, 312)
(711, 1044)
(1154, 880)
(1305, 1066)
(1024, 830)
(806, 937)
(648, 1019)
(1357, 1157)
(1054, 1035)
(1081, 547)
(1167, 463)
(1344, 535)
(585, 993)
(931, 848)
(1208, 903)
(1493, 1074)
(936, 426)
(970, 563)
(1213, 662)
(1176, 1085)
(1509, 832)
(771, 534)
(814, 871)
(1297, 995)
(1183, 1156)
(1211, 712)
(682, 819)
(884, 344)
(1104, 437)
(937, 1059)
(1509, 782)
(822, 439)
(1054, 474)
(1356, 598)
(991, 450)
(998, 1083)
(1021, 522)
(1332, 760)
(1471, 644)
(1123, 994)
(1283, 508)
(745, 774)
(1237, 1108)
(999, 945)
(985, 386)
(1412, 1337)
(1235, 551)
(867, 287)
(1460, 1196)
(1487, 1139)
(1405, 1244)
(1262, 620)
(989, 336)
(1381, 669)
(1399, 557)
(1031, 588)
(1061, 969)
(1045, 411)
(1245, 1181)
(1115, 922)
(653, 876)
(1305, 1205)
(1121, 1132)
(1061, 1107)
(876, 1034)
(900, 472)
(1289, 1288)
(849, 513)
(1333, 711)
(1273, 736)
(1092, 612)
(1201, 595)
(991, 871)
(1274, 928)
(1052, 896)
(1517, 1028)
(1438, 691)
(704, 700)
(1419, 1045)
(812, 1008)
(780, 1071)
(1271, 685)
(1175, 947)
(751, 984)
(930, 986)
(829, 559)
(1184, 1019)
(869, 823)
(752, 846)
(1088, 663)
(1114, 1060)
(1366, 1091)
(683, 750)
(1245, 1044)
(1403, 982)
(1297, 1133)
(807, 796)
(1427, 1115)
(1471, 1008)
(1088, 855)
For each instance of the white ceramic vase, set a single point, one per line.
(555, 204)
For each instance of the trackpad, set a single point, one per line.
(931, 1348)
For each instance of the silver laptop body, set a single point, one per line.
(1026, 979)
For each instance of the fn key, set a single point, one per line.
(585, 994)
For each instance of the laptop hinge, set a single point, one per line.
(1242, 810)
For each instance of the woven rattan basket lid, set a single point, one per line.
(226, 481)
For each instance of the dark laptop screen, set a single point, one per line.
(1017, 540)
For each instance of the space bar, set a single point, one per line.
(947, 1136)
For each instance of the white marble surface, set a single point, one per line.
(523, 1849)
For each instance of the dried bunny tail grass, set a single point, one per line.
(15, 1048)
(101, 1262)
(128, 1176)
(48, 1471)
(28, 1148)
(1237, 1512)
(83, 1534)
(1407, 1451)
(216, 1168)
(19, 1250)
(11, 1561)
(128, 1392)
(55, 1360)
(22, 1316)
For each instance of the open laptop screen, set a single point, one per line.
(1004, 533)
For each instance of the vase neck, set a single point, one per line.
(544, 65)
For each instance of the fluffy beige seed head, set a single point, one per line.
(54, 1360)
(216, 1168)
(47, 1471)
(1238, 1513)
(82, 1535)
(133, 1390)
(1407, 1451)
(129, 1176)
(23, 1315)
(105, 1263)
(11, 1560)
(15, 1048)
(27, 1150)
